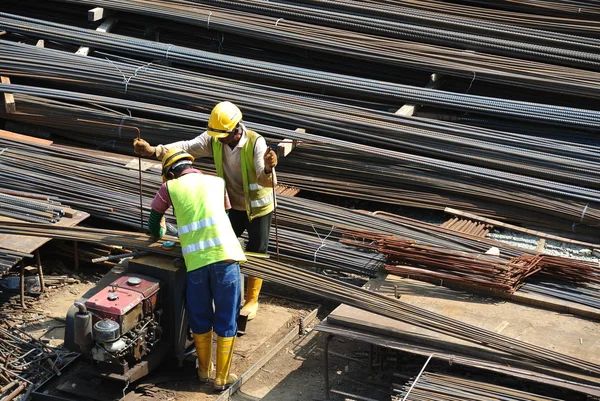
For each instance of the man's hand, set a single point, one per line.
(143, 148)
(270, 160)
(163, 226)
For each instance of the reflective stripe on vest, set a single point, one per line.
(259, 199)
(204, 229)
(262, 202)
(204, 245)
(196, 225)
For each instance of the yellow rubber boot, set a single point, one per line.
(251, 305)
(224, 357)
(203, 343)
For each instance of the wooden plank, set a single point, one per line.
(409, 109)
(286, 146)
(540, 246)
(133, 164)
(98, 13)
(9, 99)
(13, 136)
(540, 234)
(106, 26)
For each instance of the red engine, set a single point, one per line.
(125, 320)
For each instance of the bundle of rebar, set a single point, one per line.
(110, 193)
(357, 124)
(32, 210)
(573, 8)
(390, 51)
(290, 75)
(312, 167)
(556, 268)
(563, 19)
(470, 34)
(449, 267)
(468, 226)
(439, 386)
(9, 258)
(334, 290)
(86, 123)
(584, 294)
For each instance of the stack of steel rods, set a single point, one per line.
(429, 386)
(557, 268)
(449, 149)
(85, 124)
(468, 226)
(290, 75)
(582, 24)
(449, 266)
(26, 209)
(456, 62)
(324, 169)
(111, 192)
(445, 173)
(435, 139)
(130, 240)
(389, 307)
(469, 34)
(582, 294)
(316, 250)
(456, 268)
(573, 8)
(316, 168)
(439, 140)
(9, 258)
(336, 291)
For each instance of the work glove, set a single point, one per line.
(143, 148)
(270, 160)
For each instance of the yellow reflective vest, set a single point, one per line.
(204, 229)
(259, 199)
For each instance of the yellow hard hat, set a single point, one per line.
(172, 159)
(224, 117)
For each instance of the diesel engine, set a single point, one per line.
(121, 323)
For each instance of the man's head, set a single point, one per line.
(174, 163)
(224, 123)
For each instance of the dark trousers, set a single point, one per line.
(258, 229)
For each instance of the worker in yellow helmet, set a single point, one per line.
(244, 161)
(212, 254)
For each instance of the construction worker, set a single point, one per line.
(212, 254)
(244, 161)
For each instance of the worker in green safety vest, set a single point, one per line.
(243, 159)
(212, 255)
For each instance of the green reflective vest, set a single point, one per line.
(204, 229)
(259, 200)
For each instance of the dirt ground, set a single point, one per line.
(294, 373)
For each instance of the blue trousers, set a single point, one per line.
(219, 283)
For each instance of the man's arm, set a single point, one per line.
(156, 224)
(159, 205)
(200, 146)
(263, 178)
